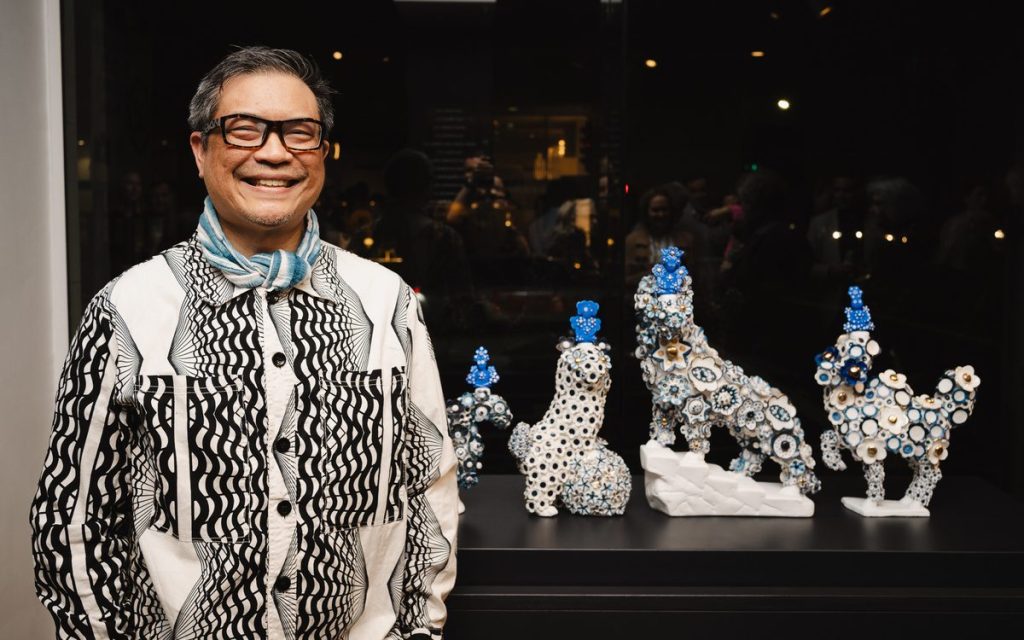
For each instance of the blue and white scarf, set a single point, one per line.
(276, 271)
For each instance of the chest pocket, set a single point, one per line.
(361, 448)
(197, 433)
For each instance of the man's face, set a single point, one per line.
(237, 179)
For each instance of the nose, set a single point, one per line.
(273, 150)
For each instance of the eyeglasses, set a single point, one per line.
(249, 132)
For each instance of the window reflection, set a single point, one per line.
(508, 161)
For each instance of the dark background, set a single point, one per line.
(925, 92)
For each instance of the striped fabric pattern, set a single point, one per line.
(275, 271)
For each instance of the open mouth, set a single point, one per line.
(273, 183)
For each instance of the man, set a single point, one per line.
(250, 438)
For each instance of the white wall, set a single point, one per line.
(33, 293)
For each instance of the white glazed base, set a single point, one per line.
(683, 484)
(886, 508)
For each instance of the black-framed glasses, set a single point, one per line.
(251, 132)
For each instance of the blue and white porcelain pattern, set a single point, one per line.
(694, 389)
(562, 458)
(468, 412)
(878, 416)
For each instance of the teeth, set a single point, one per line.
(271, 183)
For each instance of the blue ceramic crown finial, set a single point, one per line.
(669, 273)
(858, 316)
(480, 374)
(585, 324)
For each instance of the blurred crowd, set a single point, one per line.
(749, 248)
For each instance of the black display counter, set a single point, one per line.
(647, 575)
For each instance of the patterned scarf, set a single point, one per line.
(276, 271)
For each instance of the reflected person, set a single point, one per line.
(250, 438)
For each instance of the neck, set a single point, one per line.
(249, 241)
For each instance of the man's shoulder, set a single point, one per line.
(143, 278)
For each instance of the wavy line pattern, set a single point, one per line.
(155, 396)
(228, 601)
(331, 582)
(426, 552)
(353, 416)
(219, 474)
(396, 479)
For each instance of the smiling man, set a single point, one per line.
(250, 437)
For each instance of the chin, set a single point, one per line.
(270, 218)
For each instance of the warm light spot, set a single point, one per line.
(999, 234)
(386, 59)
(336, 153)
(650, 63)
(373, 203)
(792, 226)
(81, 142)
(904, 239)
(837, 234)
(561, 148)
(577, 265)
(508, 223)
(757, 54)
(859, 234)
(367, 242)
(337, 55)
(783, 104)
(824, 12)
(774, 15)
(889, 237)
(611, 242)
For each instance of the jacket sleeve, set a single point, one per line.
(432, 520)
(81, 516)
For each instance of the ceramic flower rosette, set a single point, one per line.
(879, 417)
(469, 412)
(694, 389)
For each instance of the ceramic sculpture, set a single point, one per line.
(693, 390)
(562, 458)
(471, 410)
(876, 417)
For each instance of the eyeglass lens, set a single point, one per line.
(243, 131)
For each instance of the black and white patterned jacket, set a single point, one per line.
(227, 463)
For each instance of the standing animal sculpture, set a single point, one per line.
(694, 389)
(562, 458)
(878, 416)
(468, 412)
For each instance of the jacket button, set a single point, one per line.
(273, 297)
(282, 445)
(278, 359)
(282, 583)
(284, 507)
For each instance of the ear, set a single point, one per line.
(325, 148)
(198, 150)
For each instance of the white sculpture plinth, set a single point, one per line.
(886, 508)
(683, 484)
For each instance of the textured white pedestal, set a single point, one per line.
(683, 484)
(886, 508)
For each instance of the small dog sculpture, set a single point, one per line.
(877, 416)
(471, 410)
(561, 456)
(694, 389)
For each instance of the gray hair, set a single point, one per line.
(258, 60)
